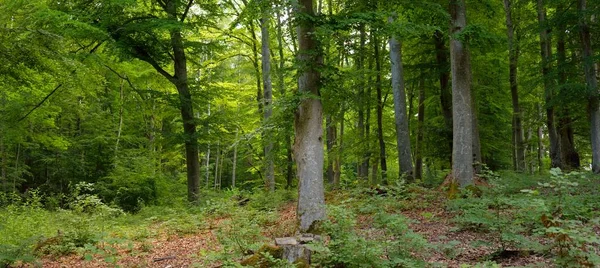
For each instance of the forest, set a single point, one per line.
(299, 133)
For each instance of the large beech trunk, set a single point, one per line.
(400, 114)
(462, 117)
(308, 124)
(592, 85)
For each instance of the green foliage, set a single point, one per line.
(348, 245)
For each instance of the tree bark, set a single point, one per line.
(546, 51)
(308, 123)
(462, 148)
(331, 133)
(401, 120)
(363, 163)
(592, 86)
(443, 68)
(513, 52)
(569, 156)
(420, 130)
(382, 154)
(267, 99)
(281, 76)
(234, 164)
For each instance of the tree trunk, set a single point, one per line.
(592, 86)
(234, 164)
(402, 131)
(462, 148)
(382, 154)
(338, 159)
(477, 157)
(569, 156)
(308, 123)
(331, 133)
(215, 180)
(513, 52)
(546, 51)
(267, 101)
(363, 163)
(281, 76)
(187, 114)
(120, 126)
(443, 68)
(420, 130)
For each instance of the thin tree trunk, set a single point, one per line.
(378, 85)
(363, 163)
(331, 133)
(477, 157)
(592, 86)
(281, 76)
(513, 51)
(3, 163)
(308, 147)
(120, 126)
(338, 161)
(443, 68)
(17, 173)
(462, 148)
(420, 130)
(402, 132)
(267, 101)
(234, 167)
(546, 51)
(540, 134)
(217, 166)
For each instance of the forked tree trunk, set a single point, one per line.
(592, 86)
(462, 117)
(513, 52)
(308, 123)
(267, 100)
(546, 51)
(401, 119)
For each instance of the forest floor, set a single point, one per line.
(433, 222)
(501, 228)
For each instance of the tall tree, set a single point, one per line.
(127, 35)
(513, 58)
(267, 96)
(462, 148)
(400, 114)
(308, 123)
(378, 86)
(592, 84)
(546, 53)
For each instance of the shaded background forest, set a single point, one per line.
(79, 105)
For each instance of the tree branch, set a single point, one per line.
(58, 86)
(187, 9)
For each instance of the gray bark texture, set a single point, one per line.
(400, 113)
(513, 52)
(592, 86)
(308, 124)
(267, 100)
(462, 119)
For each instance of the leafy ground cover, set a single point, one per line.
(519, 221)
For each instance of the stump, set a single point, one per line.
(295, 250)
